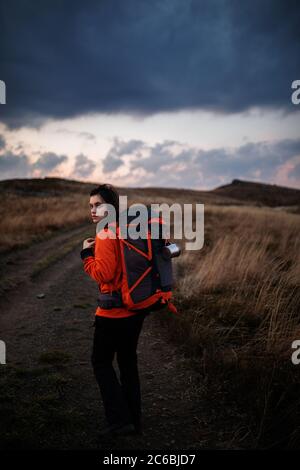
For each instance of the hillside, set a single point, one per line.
(238, 192)
(265, 194)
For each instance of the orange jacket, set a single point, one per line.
(103, 264)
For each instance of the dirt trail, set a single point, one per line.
(176, 411)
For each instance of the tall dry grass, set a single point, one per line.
(254, 263)
(240, 296)
(29, 218)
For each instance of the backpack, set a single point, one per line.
(147, 276)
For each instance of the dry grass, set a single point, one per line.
(254, 262)
(25, 219)
(238, 298)
(28, 218)
(241, 297)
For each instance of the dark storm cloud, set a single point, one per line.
(194, 167)
(61, 59)
(83, 167)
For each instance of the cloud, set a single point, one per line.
(85, 135)
(84, 166)
(119, 149)
(14, 165)
(48, 161)
(142, 57)
(245, 160)
(295, 173)
(171, 163)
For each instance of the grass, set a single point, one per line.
(34, 209)
(239, 301)
(83, 305)
(60, 252)
(32, 218)
(42, 416)
(54, 357)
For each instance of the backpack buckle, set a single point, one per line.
(108, 300)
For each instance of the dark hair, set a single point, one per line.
(109, 194)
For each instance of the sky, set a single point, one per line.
(172, 93)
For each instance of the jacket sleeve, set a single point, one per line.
(102, 266)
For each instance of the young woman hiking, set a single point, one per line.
(117, 330)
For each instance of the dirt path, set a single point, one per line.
(176, 410)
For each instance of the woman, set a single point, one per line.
(117, 330)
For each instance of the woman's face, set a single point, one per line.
(96, 201)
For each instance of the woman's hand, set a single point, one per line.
(88, 243)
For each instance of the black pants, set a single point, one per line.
(122, 401)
